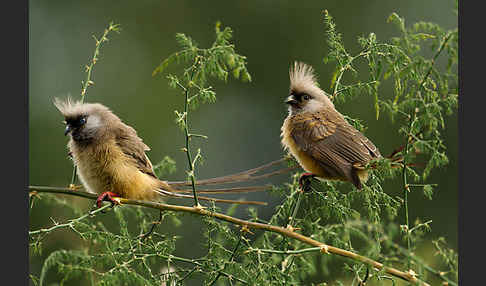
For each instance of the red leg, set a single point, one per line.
(106, 196)
(303, 180)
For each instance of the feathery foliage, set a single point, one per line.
(364, 222)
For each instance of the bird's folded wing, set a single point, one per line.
(135, 149)
(330, 140)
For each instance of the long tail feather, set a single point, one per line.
(229, 190)
(238, 177)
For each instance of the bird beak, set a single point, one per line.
(291, 100)
(68, 129)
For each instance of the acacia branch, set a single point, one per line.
(247, 225)
(439, 274)
(72, 191)
(439, 50)
(194, 262)
(70, 223)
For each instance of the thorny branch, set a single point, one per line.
(186, 131)
(70, 223)
(247, 225)
(71, 191)
(409, 138)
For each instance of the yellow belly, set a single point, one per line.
(108, 169)
(306, 162)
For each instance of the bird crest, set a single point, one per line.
(302, 76)
(304, 80)
(73, 108)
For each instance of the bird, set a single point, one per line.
(110, 157)
(325, 145)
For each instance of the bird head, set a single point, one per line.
(305, 94)
(84, 121)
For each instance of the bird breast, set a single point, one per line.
(103, 167)
(308, 163)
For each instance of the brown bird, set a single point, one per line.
(318, 136)
(110, 157)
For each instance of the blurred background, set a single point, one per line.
(243, 126)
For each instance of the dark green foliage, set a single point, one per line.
(366, 222)
(215, 62)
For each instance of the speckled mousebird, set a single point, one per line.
(111, 159)
(318, 136)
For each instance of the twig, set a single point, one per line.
(442, 46)
(427, 267)
(89, 68)
(186, 131)
(230, 260)
(296, 209)
(324, 248)
(406, 188)
(189, 273)
(192, 261)
(70, 191)
(290, 252)
(155, 223)
(70, 223)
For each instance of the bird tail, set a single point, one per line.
(397, 159)
(244, 176)
(176, 188)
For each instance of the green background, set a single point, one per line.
(243, 126)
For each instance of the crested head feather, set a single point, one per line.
(302, 75)
(65, 106)
(303, 80)
(73, 108)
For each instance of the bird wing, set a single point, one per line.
(329, 139)
(134, 148)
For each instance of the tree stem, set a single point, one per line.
(406, 189)
(188, 151)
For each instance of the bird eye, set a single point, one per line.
(306, 97)
(82, 120)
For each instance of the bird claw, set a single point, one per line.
(108, 196)
(304, 181)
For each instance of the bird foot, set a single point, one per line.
(108, 196)
(304, 181)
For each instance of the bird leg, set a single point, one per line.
(107, 196)
(304, 181)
